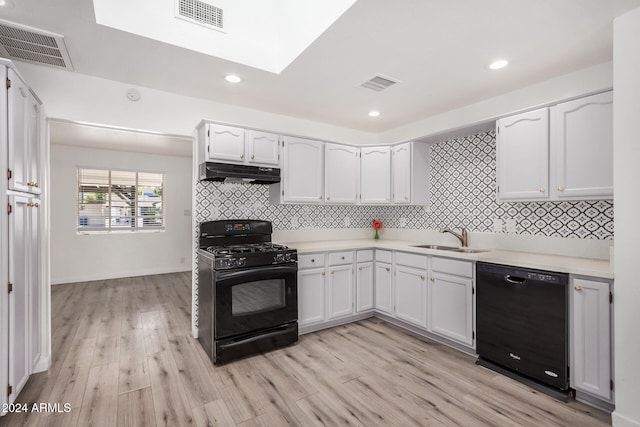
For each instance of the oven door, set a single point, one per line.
(252, 299)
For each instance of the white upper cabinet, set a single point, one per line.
(402, 173)
(523, 156)
(231, 144)
(302, 170)
(375, 175)
(261, 148)
(341, 173)
(561, 153)
(225, 143)
(582, 148)
(410, 173)
(24, 137)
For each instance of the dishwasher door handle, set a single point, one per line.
(514, 280)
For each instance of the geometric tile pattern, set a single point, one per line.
(462, 193)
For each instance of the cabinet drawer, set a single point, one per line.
(338, 258)
(311, 260)
(384, 256)
(364, 256)
(411, 260)
(452, 266)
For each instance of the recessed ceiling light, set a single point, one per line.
(500, 63)
(231, 78)
(6, 4)
(374, 113)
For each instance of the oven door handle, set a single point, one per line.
(271, 270)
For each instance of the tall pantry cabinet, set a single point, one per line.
(24, 295)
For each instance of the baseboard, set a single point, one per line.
(119, 275)
(43, 364)
(622, 421)
(337, 322)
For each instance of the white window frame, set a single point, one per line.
(108, 228)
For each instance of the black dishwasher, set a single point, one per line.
(522, 324)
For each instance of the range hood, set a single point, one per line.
(215, 171)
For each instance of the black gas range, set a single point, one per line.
(247, 290)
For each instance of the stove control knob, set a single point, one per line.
(242, 262)
(278, 258)
(232, 262)
(287, 257)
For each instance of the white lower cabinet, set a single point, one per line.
(590, 347)
(364, 281)
(410, 284)
(24, 298)
(451, 300)
(340, 299)
(311, 296)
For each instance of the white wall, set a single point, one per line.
(626, 79)
(77, 257)
(592, 79)
(83, 98)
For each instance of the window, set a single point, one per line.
(110, 200)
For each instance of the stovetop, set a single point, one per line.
(230, 257)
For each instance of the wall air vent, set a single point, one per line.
(379, 83)
(32, 45)
(200, 12)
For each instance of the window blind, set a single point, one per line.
(114, 200)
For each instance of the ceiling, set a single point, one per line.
(438, 50)
(110, 138)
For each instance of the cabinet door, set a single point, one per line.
(35, 284)
(19, 266)
(591, 337)
(451, 307)
(341, 173)
(35, 146)
(411, 295)
(522, 145)
(340, 291)
(383, 289)
(401, 169)
(375, 175)
(19, 113)
(582, 143)
(311, 296)
(262, 148)
(364, 287)
(225, 143)
(302, 170)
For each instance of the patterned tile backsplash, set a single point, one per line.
(462, 178)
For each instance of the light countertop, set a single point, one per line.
(564, 264)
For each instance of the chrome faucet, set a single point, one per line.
(463, 237)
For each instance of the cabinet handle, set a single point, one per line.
(253, 157)
(30, 184)
(332, 272)
(578, 288)
(422, 277)
(560, 188)
(406, 197)
(342, 257)
(541, 189)
(388, 269)
(313, 260)
(36, 205)
(35, 184)
(242, 156)
(323, 273)
(320, 197)
(328, 198)
(360, 268)
(432, 279)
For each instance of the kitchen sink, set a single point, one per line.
(467, 250)
(442, 248)
(452, 249)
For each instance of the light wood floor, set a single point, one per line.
(123, 356)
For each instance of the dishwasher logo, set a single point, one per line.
(514, 356)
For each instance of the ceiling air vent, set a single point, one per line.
(200, 12)
(379, 83)
(32, 45)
